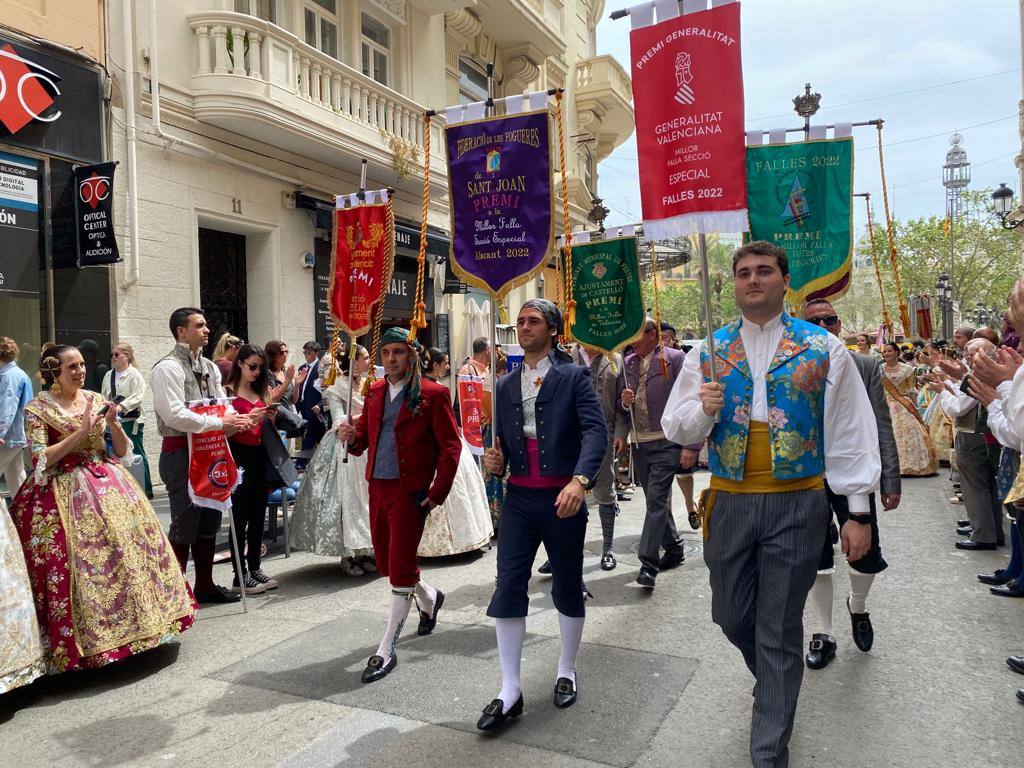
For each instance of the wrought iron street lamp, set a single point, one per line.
(943, 296)
(1002, 204)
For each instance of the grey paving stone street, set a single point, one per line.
(660, 685)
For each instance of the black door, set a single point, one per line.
(222, 284)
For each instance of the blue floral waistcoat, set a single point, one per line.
(795, 384)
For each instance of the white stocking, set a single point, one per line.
(571, 629)
(510, 653)
(821, 603)
(401, 602)
(860, 585)
(425, 597)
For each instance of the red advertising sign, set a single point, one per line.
(688, 101)
(25, 90)
(471, 406)
(363, 254)
(212, 473)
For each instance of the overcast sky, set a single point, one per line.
(877, 50)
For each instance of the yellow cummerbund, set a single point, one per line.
(757, 469)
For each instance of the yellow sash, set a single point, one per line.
(757, 475)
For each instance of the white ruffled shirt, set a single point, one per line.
(852, 464)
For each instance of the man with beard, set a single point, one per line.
(859, 533)
(551, 435)
(408, 426)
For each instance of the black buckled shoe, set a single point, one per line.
(1016, 663)
(428, 622)
(608, 561)
(821, 652)
(494, 718)
(376, 669)
(964, 530)
(863, 632)
(694, 520)
(672, 560)
(565, 692)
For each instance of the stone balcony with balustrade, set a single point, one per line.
(259, 80)
(604, 103)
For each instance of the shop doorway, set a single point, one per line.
(222, 284)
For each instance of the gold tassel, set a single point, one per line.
(332, 375)
(611, 363)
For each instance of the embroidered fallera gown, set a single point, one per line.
(105, 581)
(332, 509)
(913, 441)
(21, 649)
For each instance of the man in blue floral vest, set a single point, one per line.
(783, 408)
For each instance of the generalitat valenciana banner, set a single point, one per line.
(800, 197)
(606, 287)
(688, 106)
(499, 181)
(362, 257)
(212, 473)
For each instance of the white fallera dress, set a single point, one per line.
(21, 649)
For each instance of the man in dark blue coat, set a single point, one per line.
(552, 437)
(309, 401)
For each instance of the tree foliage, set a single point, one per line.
(680, 299)
(985, 262)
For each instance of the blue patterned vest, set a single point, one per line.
(795, 384)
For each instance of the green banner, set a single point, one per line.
(799, 197)
(606, 289)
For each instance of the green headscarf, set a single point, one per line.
(412, 376)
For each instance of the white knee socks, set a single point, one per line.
(860, 585)
(571, 628)
(401, 602)
(510, 653)
(425, 597)
(821, 603)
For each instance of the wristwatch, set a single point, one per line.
(582, 480)
(863, 518)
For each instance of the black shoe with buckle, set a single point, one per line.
(822, 651)
(996, 579)
(608, 561)
(428, 622)
(494, 717)
(863, 632)
(694, 519)
(376, 669)
(565, 692)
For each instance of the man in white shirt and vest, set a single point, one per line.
(782, 407)
(184, 375)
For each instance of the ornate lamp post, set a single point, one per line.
(956, 175)
(1002, 204)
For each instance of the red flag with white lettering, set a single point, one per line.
(688, 102)
(212, 473)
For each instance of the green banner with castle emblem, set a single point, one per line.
(606, 289)
(799, 197)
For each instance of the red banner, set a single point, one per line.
(362, 257)
(471, 407)
(688, 102)
(212, 474)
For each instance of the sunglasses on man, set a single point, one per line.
(829, 320)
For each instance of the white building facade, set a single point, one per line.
(250, 115)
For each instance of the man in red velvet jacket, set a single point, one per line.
(408, 426)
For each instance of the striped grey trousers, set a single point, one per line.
(762, 552)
